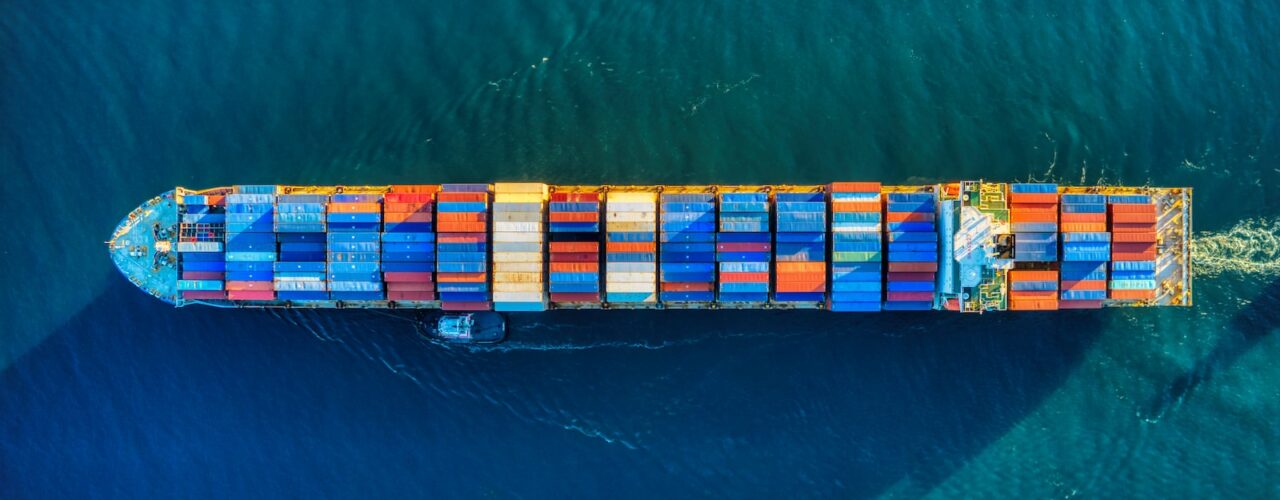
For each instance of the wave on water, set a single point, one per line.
(1251, 247)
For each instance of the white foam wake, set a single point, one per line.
(1250, 247)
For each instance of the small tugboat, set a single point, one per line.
(470, 328)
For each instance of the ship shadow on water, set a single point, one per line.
(851, 405)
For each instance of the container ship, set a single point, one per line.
(970, 246)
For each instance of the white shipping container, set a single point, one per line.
(631, 227)
(506, 207)
(509, 277)
(504, 246)
(649, 278)
(517, 227)
(519, 187)
(518, 217)
(517, 296)
(867, 229)
(630, 216)
(517, 267)
(518, 237)
(631, 196)
(519, 287)
(199, 246)
(633, 287)
(650, 207)
(631, 267)
(518, 257)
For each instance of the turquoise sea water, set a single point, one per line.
(107, 392)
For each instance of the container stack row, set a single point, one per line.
(800, 247)
(1086, 249)
(201, 255)
(1033, 290)
(688, 247)
(631, 246)
(1033, 210)
(355, 246)
(743, 248)
(857, 252)
(518, 278)
(575, 248)
(462, 247)
(1133, 247)
(251, 243)
(300, 233)
(911, 225)
(409, 243)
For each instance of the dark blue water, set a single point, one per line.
(105, 392)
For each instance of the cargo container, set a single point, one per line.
(969, 246)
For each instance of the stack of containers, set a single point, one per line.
(912, 231)
(251, 243)
(1033, 209)
(1033, 290)
(575, 248)
(856, 251)
(201, 260)
(1133, 247)
(300, 230)
(1086, 249)
(801, 247)
(743, 247)
(355, 234)
(462, 245)
(631, 247)
(688, 248)
(409, 243)
(518, 280)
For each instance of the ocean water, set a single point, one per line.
(107, 393)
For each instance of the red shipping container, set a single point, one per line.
(1132, 247)
(744, 277)
(801, 276)
(410, 295)
(202, 275)
(1133, 256)
(854, 187)
(411, 287)
(575, 216)
(913, 267)
(1133, 227)
(462, 217)
(251, 295)
(1074, 217)
(204, 295)
(687, 287)
(1080, 304)
(408, 207)
(855, 206)
(575, 257)
(355, 208)
(911, 276)
(409, 197)
(909, 296)
(406, 277)
(463, 197)
(1033, 305)
(248, 285)
(575, 267)
(465, 306)
(1127, 218)
(575, 297)
(1133, 208)
(575, 197)
(575, 246)
(743, 247)
(1133, 237)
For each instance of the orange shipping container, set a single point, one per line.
(1133, 227)
(854, 187)
(575, 216)
(1133, 294)
(1028, 275)
(1017, 217)
(346, 208)
(1084, 227)
(462, 227)
(461, 277)
(1033, 305)
(633, 247)
(855, 206)
(575, 267)
(786, 267)
(574, 246)
(744, 277)
(1133, 237)
(1084, 285)
(801, 286)
(408, 207)
(1122, 217)
(1133, 208)
(462, 238)
(414, 189)
(909, 217)
(801, 276)
(410, 217)
(1071, 217)
(1034, 207)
